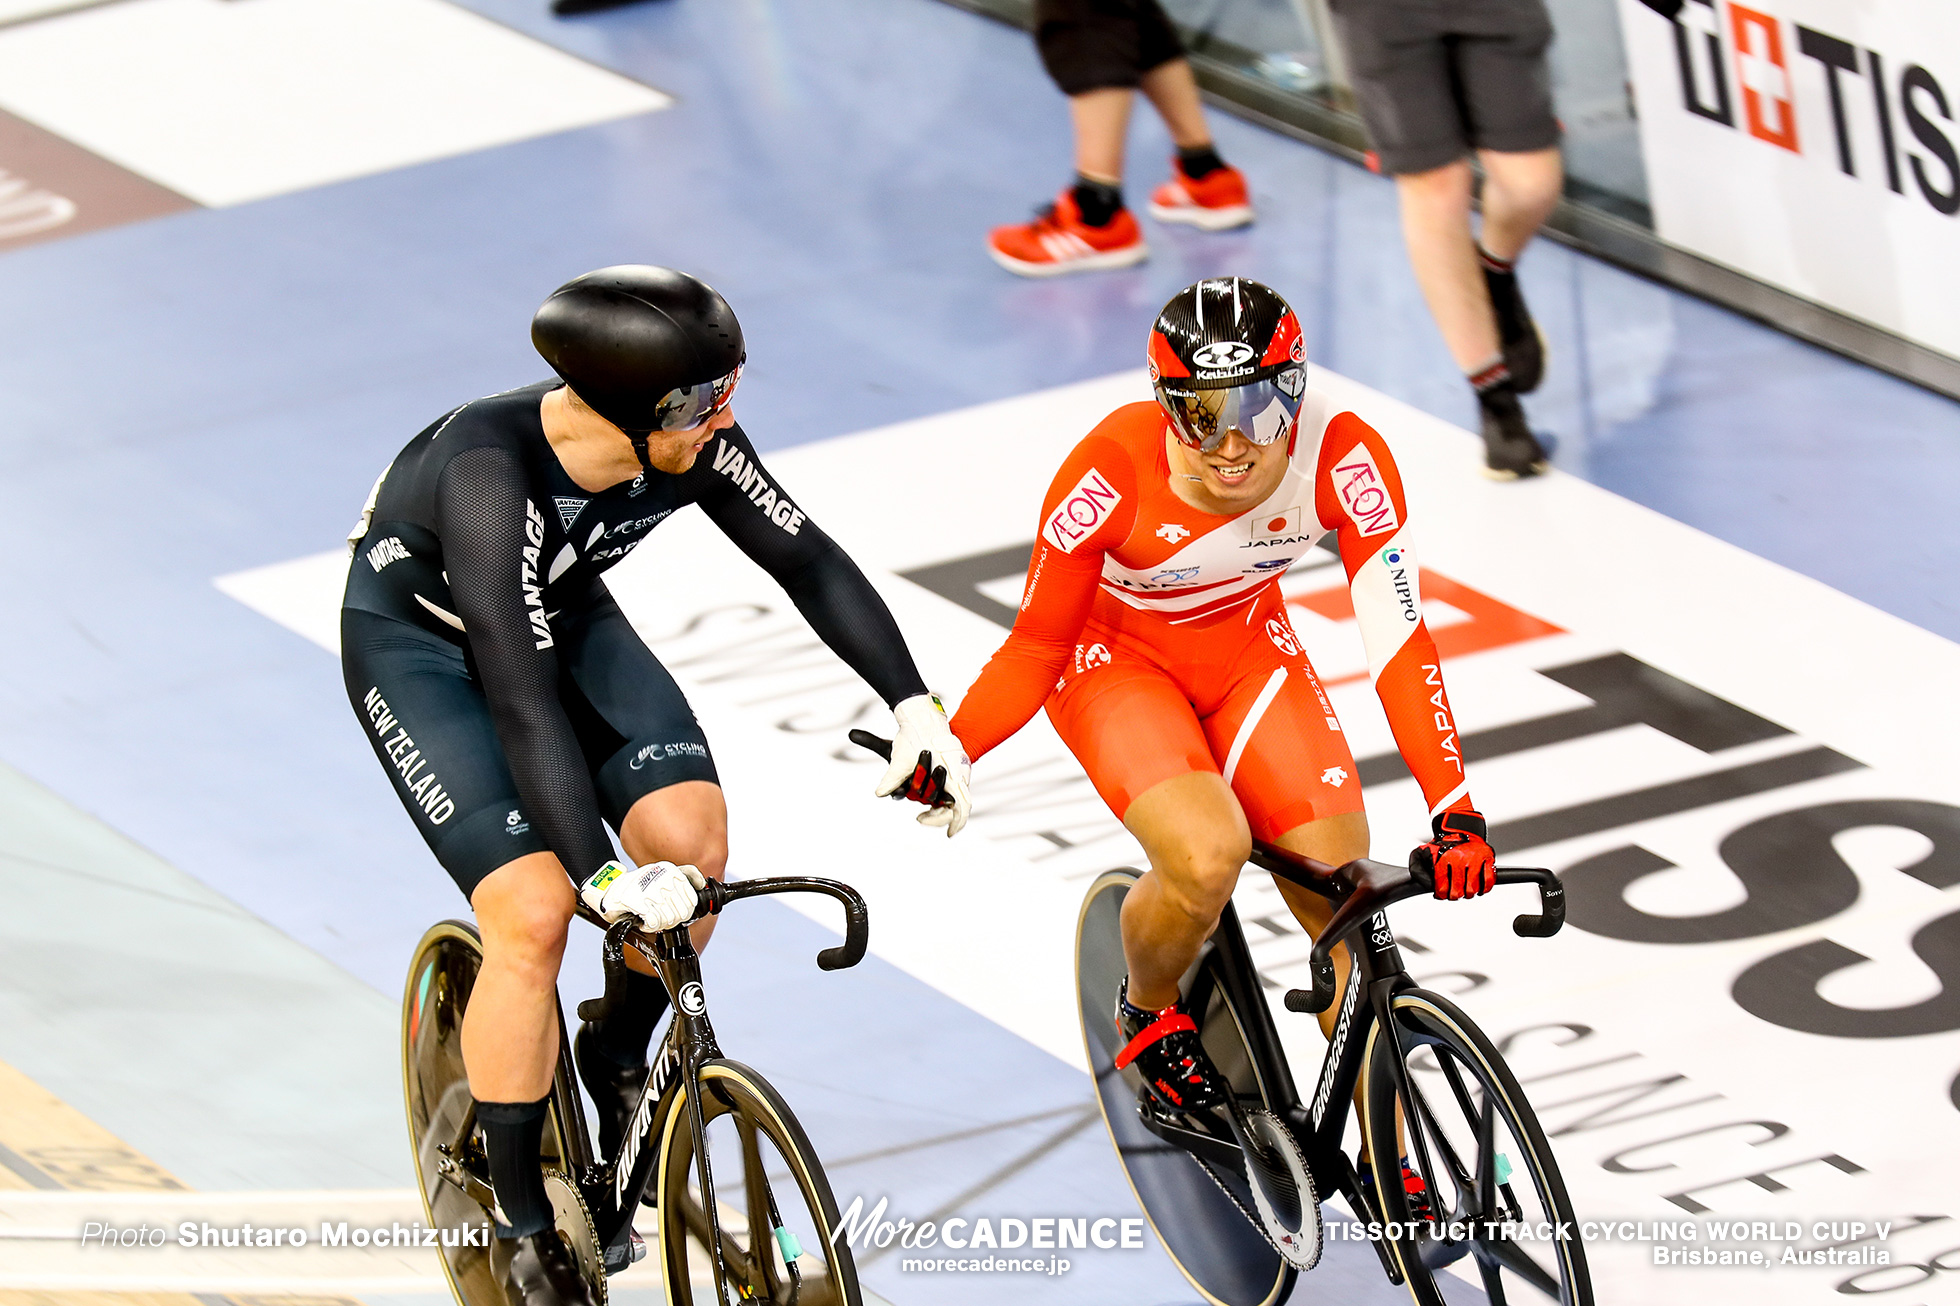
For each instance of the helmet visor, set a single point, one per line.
(1261, 411)
(690, 406)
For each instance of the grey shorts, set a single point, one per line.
(1437, 79)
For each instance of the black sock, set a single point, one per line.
(1098, 201)
(1198, 161)
(511, 1133)
(624, 1034)
(1501, 279)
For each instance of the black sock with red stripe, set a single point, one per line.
(1493, 383)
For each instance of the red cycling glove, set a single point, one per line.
(1459, 859)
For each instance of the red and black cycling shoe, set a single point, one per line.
(1415, 1190)
(1167, 1052)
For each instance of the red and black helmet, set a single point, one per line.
(1226, 354)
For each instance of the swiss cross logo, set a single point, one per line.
(1081, 510)
(1767, 104)
(1359, 483)
(1902, 109)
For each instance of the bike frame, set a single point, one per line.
(1362, 891)
(613, 1186)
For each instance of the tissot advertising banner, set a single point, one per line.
(1812, 144)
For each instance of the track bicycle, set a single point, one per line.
(1234, 1195)
(766, 1234)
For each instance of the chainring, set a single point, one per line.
(573, 1221)
(1282, 1189)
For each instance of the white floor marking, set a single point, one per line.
(1648, 1060)
(225, 102)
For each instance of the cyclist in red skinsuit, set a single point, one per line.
(1153, 629)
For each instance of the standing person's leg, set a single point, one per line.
(1095, 52)
(1409, 77)
(1506, 89)
(1204, 191)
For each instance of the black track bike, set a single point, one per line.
(1234, 1195)
(761, 1232)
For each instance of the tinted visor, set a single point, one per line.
(1261, 411)
(692, 405)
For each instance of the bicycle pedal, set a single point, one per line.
(622, 1254)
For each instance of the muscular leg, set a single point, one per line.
(1334, 840)
(510, 1029)
(1195, 834)
(687, 824)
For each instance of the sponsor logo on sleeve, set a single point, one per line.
(1397, 560)
(528, 575)
(1359, 484)
(731, 462)
(386, 551)
(1081, 511)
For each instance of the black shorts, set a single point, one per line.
(1438, 78)
(1089, 45)
(430, 725)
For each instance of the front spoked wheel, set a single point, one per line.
(777, 1218)
(1438, 1091)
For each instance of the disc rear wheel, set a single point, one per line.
(1205, 1214)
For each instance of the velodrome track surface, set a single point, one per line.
(212, 894)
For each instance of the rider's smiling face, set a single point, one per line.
(1238, 474)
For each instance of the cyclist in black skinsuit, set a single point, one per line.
(518, 714)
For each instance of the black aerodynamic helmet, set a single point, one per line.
(648, 349)
(1226, 354)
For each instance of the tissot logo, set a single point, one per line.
(1754, 62)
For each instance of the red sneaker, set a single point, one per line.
(1214, 202)
(1058, 241)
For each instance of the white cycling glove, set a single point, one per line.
(662, 895)
(928, 764)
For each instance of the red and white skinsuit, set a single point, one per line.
(1156, 635)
